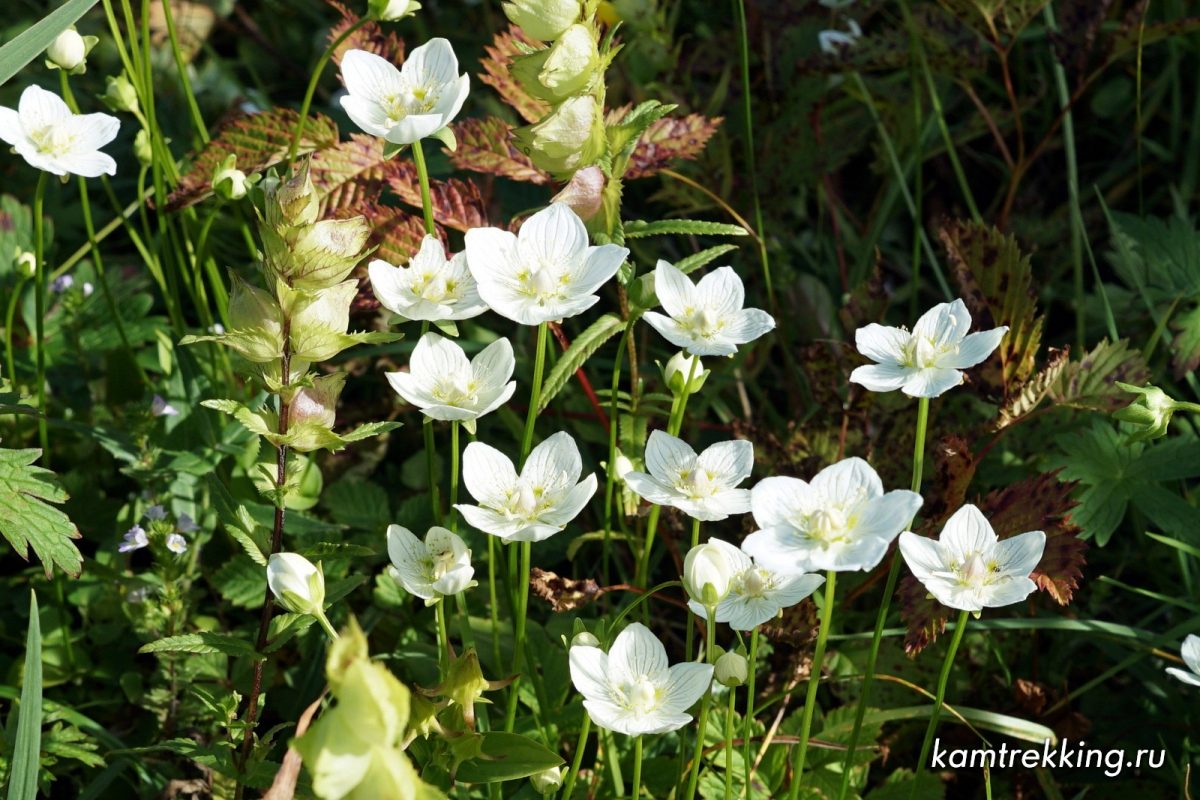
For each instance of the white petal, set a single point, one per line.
(610, 717)
(749, 324)
(1008, 592)
(436, 357)
(554, 235)
(719, 506)
(487, 473)
(413, 128)
(39, 108)
(488, 521)
(667, 456)
(493, 366)
(779, 548)
(922, 555)
(554, 463)
(974, 349)
(967, 532)
(794, 588)
(407, 552)
(721, 290)
(650, 489)
(945, 323)
(409, 387)
(88, 165)
(597, 268)
(881, 377)
(846, 481)
(1019, 555)
(388, 286)
(431, 64)
(11, 131)
(687, 683)
(778, 500)
(674, 333)
(674, 291)
(570, 504)
(930, 382)
(533, 532)
(636, 653)
(884, 517)
(1190, 652)
(882, 344)
(1186, 677)
(589, 672)
(371, 77)
(491, 255)
(90, 132)
(366, 114)
(489, 402)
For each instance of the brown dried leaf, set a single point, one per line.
(953, 469)
(500, 53)
(395, 232)
(997, 285)
(259, 140)
(1034, 390)
(350, 174)
(369, 37)
(1091, 382)
(563, 594)
(284, 785)
(670, 139)
(485, 145)
(457, 204)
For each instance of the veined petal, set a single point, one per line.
(746, 613)
(1019, 555)
(671, 330)
(922, 555)
(533, 532)
(491, 256)
(445, 413)
(490, 402)
(667, 456)
(366, 114)
(610, 716)
(1190, 652)
(407, 386)
(11, 130)
(882, 344)
(848, 481)
(791, 589)
(721, 505)
(966, 532)
(687, 683)
(570, 504)
(493, 366)
(431, 64)
(554, 235)
(413, 128)
(930, 382)
(749, 324)
(407, 553)
(39, 108)
(589, 672)
(636, 653)
(370, 77)
(721, 291)
(674, 290)
(487, 473)
(488, 521)
(597, 268)
(777, 546)
(650, 489)
(554, 463)
(730, 462)
(387, 282)
(90, 132)
(944, 324)
(778, 500)
(1187, 677)
(881, 377)
(436, 358)
(1005, 593)
(974, 349)
(88, 165)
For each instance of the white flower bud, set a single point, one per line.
(585, 639)
(391, 10)
(228, 181)
(68, 50)
(707, 574)
(548, 781)
(543, 19)
(679, 367)
(26, 264)
(732, 670)
(296, 583)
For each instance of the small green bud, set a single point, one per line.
(548, 781)
(294, 201)
(1150, 414)
(732, 670)
(26, 263)
(312, 412)
(679, 368)
(120, 94)
(391, 10)
(317, 255)
(229, 182)
(142, 149)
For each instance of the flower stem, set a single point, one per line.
(435, 499)
(39, 293)
(610, 477)
(443, 638)
(636, 785)
(577, 760)
(814, 682)
(748, 719)
(889, 589)
(729, 744)
(710, 638)
(312, 86)
(325, 626)
(455, 457)
(494, 601)
(426, 198)
(939, 699)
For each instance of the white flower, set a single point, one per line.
(1191, 657)
(548, 781)
(392, 10)
(756, 594)
(431, 287)
(296, 583)
(702, 486)
(708, 572)
(438, 566)
(732, 669)
(46, 134)
(832, 41)
(631, 690)
(135, 539)
(968, 568)
(88, 288)
(531, 506)
(159, 407)
(68, 50)
(706, 318)
(407, 104)
(927, 361)
(545, 272)
(176, 543)
(842, 520)
(446, 386)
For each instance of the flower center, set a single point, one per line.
(455, 390)
(52, 140)
(976, 571)
(755, 582)
(412, 100)
(698, 484)
(703, 322)
(827, 525)
(641, 696)
(525, 502)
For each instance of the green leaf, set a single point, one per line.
(26, 756)
(682, 227)
(202, 643)
(241, 582)
(253, 421)
(577, 354)
(34, 40)
(358, 503)
(26, 521)
(238, 522)
(1185, 347)
(1090, 382)
(507, 757)
(1160, 255)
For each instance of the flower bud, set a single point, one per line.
(543, 19)
(585, 193)
(732, 670)
(707, 573)
(585, 639)
(569, 138)
(120, 95)
(228, 181)
(142, 149)
(679, 368)
(293, 202)
(320, 319)
(548, 781)
(391, 10)
(26, 264)
(69, 51)
(623, 465)
(1150, 414)
(317, 404)
(567, 68)
(296, 583)
(316, 255)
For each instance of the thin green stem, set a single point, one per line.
(443, 637)
(312, 86)
(181, 66)
(889, 589)
(710, 638)
(814, 682)
(748, 719)
(636, 784)
(435, 498)
(10, 357)
(323, 621)
(455, 457)
(39, 336)
(577, 759)
(729, 744)
(939, 699)
(426, 198)
(535, 392)
(610, 477)
(494, 600)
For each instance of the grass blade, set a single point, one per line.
(22, 783)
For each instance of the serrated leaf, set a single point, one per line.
(485, 145)
(201, 643)
(396, 234)
(577, 354)
(27, 519)
(1090, 383)
(507, 757)
(1033, 391)
(242, 582)
(1159, 255)
(997, 285)
(350, 174)
(259, 141)
(253, 421)
(1185, 347)
(238, 522)
(683, 227)
(499, 55)
(668, 140)
(456, 203)
(358, 503)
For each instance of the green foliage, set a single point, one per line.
(33, 41)
(27, 748)
(27, 518)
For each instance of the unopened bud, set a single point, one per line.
(732, 670)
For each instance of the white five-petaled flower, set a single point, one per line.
(631, 689)
(46, 134)
(176, 543)
(702, 486)
(446, 386)
(407, 104)
(135, 539)
(546, 271)
(756, 594)
(1191, 658)
(969, 568)
(705, 318)
(841, 520)
(927, 361)
(432, 569)
(531, 506)
(431, 287)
